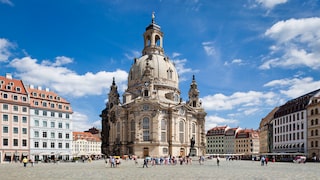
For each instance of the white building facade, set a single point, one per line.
(50, 125)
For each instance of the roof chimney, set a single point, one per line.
(8, 75)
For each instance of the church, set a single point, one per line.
(152, 120)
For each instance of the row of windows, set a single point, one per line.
(146, 132)
(52, 135)
(314, 132)
(289, 137)
(15, 142)
(52, 124)
(44, 96)
(15, 130)
(5, 107)
(52, 105)
(5, 117)
(289, 118)
(314, 144)
(288, 128)
(314, 111)
(52, 145)
(314, 122)
(52, 114)
(14, 97)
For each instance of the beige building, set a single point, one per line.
(85, 144)
(266, 132)
(152, 120)
(313, 127)
(247, 143)
(14, 119)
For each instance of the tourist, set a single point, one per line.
(145, 163)
(25, 161)
(218, 160)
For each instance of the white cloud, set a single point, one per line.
(132, 55)
(80, 122)
(239, 99)
(175, 54)
(5, 46)
(297, 44)
(295, 87)
(269, 4)
(62, 80)
(209, 48)
(180, 66)
(213, 121)
(60, 60)
(235, 61)
(7, 2)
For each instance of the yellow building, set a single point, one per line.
(313, 119)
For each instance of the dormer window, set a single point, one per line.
(18, 89)
(8, 87)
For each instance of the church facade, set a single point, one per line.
(152, 120)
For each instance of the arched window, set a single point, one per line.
(157, 41)
(316, 132)
(311, 132)
(118, 130)
(163, 130)
(181, 131)
(146, 127)
(311, 143)
(316, 111)
(133, 128)
(311, 111)
(194, 130)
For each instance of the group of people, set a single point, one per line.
(264, 160)
(114, 162)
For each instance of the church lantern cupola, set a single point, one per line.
(153, 39)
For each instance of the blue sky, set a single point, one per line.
(248, 56)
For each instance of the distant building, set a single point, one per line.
(152, 120)
(35, 123)
(50, 125)
(229, 140)
(290, 125)
(94, 131)
(247, 143)
(313, 127)
(215, 140)
(266, 133)
(14, 119)
(86, 144)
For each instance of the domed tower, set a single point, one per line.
(153, 74)
(152, 120)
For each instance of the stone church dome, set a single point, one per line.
(153, 62)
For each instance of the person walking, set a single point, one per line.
(25, 161)
(145, 163)
(218, 160)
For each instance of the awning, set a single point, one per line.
(8, 153)
(25, 154)
(17, 154)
